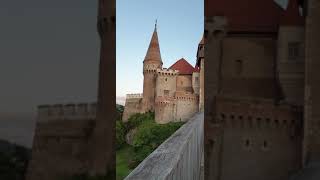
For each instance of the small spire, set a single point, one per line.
(155, 26)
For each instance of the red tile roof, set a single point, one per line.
(252, 15)
(183, 67)
(292, 15)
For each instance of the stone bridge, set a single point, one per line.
(180, 157)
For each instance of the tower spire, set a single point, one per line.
(155, 26)
(153, 53)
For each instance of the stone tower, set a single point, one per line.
(151, 63)
(102, 140)
(312, 87)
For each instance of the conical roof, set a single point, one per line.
(153, 53)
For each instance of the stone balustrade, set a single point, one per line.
(66, 112)
(178, 158)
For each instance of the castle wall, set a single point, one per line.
(248, 66)
(291, 70)
(166, 82)
(165, 110)
(186, 106)
(184, 83)
(312, 85)
(258, 139)
(62, 133)
(132, 106)
(201, 91)
(196, 82)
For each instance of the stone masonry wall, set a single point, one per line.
(132, 106)
(186, 106)
(184, 83)
(60, 146)
(247, 66)
(312, 85)
(264, 136)
(166, 82)
(291, 70)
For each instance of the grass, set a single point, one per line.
(122, 158)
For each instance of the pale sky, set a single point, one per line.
(180, 28)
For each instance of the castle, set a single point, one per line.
(172, 93)
(261, 98)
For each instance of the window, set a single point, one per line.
(294, 50)
(181, 82)
(239, 65)
(247, 143)
(166, 79)
(265, 145)
(166, 92)
(197, 79)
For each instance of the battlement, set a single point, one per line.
(185, 96)
(164, 100)
(150, 68)
(66, 112)
(256, 114)
(167, 72)
(134, 96)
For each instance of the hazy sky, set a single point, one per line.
(49, 53)
(180, 28)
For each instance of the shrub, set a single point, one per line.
(120, 134)
(149, 136)
(137, 119)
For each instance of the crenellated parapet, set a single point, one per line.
(79, 111)
(264, 114)
(150, 68)
(134, 96)
(183, 96)
(167, 72)
(165, 101)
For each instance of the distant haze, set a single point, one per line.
(49, 53)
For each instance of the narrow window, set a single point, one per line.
(294, 49)
(247, 143)
(239, 65)
(166, 79)
(265, 144)
(166, 92)
(197, 79)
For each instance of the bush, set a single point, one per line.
(149, 136)
(120, 134)
(137, 119)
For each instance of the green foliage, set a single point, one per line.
(120, 110)
(13, 161)
(149, 136)
(137, 119)
(120, 134)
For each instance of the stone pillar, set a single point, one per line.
(102, 140)
(312, 86)
(214, 34)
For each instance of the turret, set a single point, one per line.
(151, 63)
